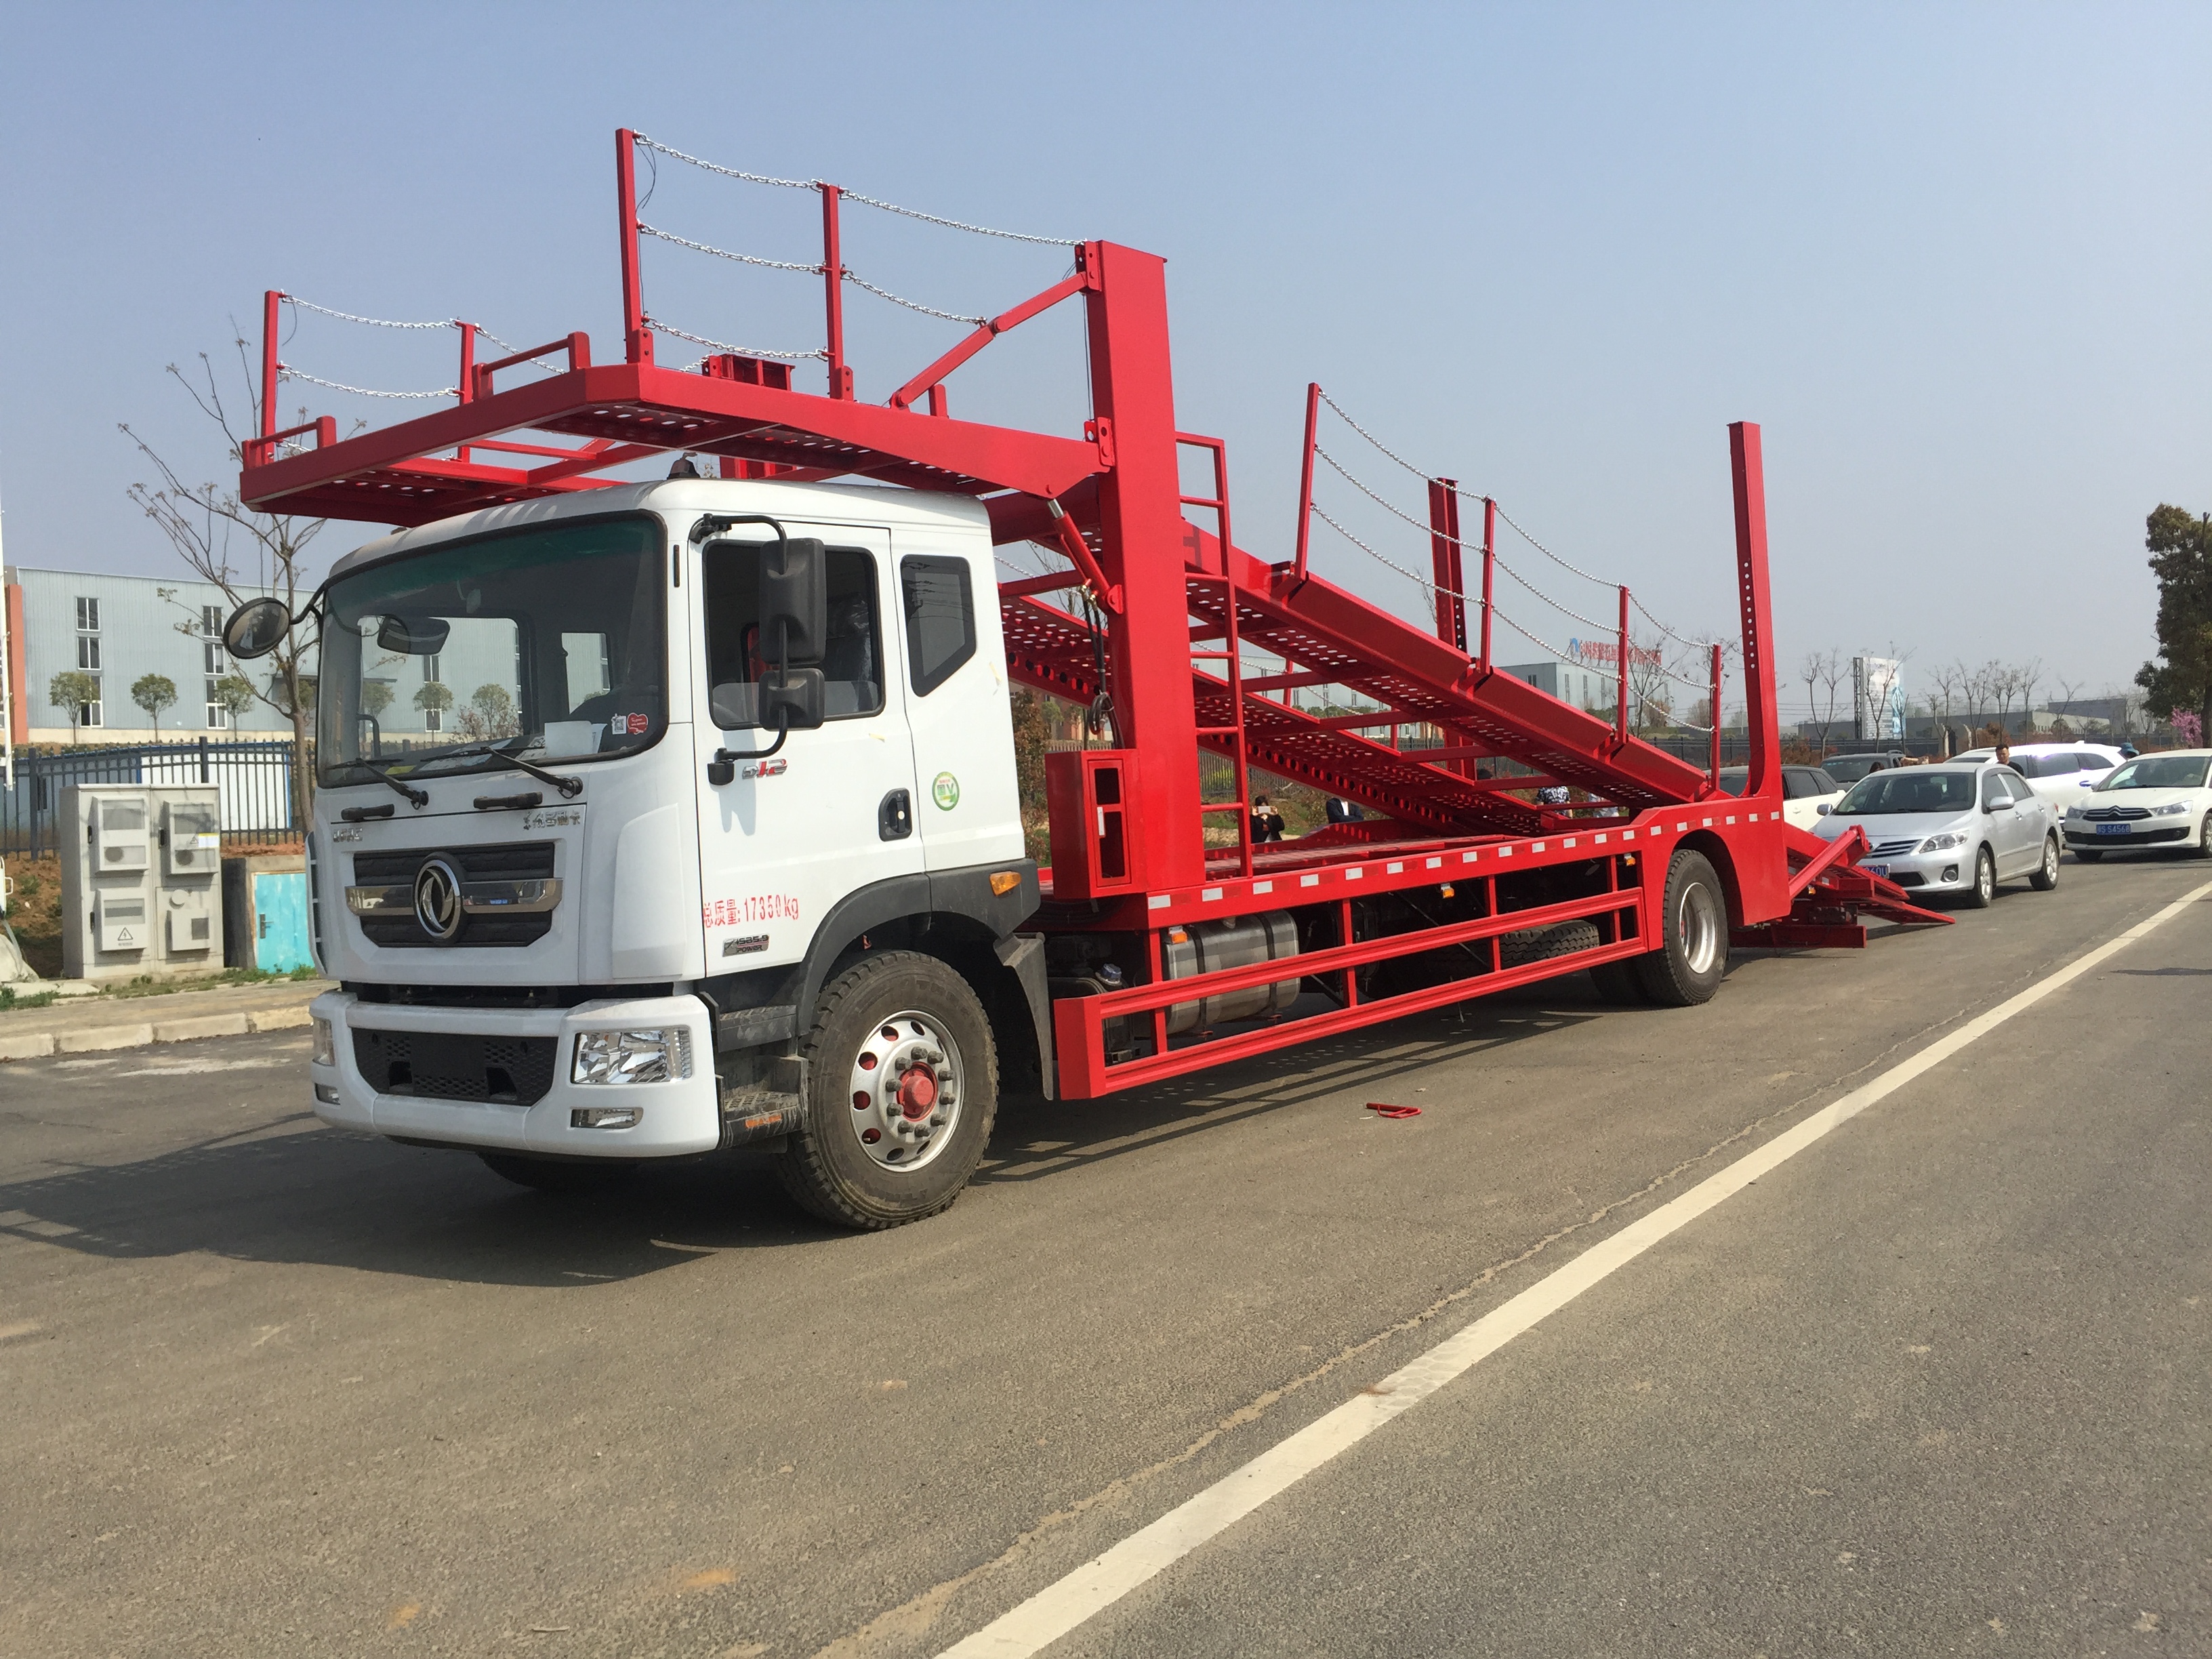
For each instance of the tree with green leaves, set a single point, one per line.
(235, 695)
(375, 697)
(2181, 557)
(72, 689)
(433, 698)
(154, 693)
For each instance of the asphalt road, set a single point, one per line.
(1941, 1383)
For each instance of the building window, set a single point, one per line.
(211, 640)
(430, 720)
(88, 715)
(87, 652)
(88, 616)
(87, 638)
(218, 717)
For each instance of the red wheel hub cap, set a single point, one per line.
(917, 1092)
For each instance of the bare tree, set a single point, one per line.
(241, 551)
(2069, 687)
(1650, 687)
(1825, 673)
(2026, 677)
(1950, 684)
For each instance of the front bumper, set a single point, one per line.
(1951, 871)
(681, 1115)
(2142, 832)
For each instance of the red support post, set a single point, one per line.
(1305, 477)
(1715, 715)
(270, 299)
(1620, 676)
(637, 338)
(1444, 560)
(1749, 468)
(467, 382)
(1489, 560)
(833, 294)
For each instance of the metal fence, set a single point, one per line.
(253, 782)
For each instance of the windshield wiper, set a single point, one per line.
(569, 788)
(415, 797)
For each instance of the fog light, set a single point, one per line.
(326, 1096)
(632, 1056)
(1950, 873)
(326, 1049)
(605, 1117)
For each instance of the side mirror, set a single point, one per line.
(794, 604)
(1824, 809)
(256, 629)
(413, 636)
(796, 700)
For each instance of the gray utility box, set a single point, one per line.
(142, 870)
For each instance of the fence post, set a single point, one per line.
(204, 766)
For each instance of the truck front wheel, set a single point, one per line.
(902, 1086)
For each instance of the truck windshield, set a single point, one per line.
(549, 642)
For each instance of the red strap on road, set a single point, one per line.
(1393, 1111)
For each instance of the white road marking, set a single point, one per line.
(1099, 1582)
(194, 1067)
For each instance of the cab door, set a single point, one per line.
(831, 811)
(967, 801)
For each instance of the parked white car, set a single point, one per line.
(1953, 828)
(2063, 774)
(2154, 800)
(1808, 793)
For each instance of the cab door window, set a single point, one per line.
(736, 655)
(940, 619)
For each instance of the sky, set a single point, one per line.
(1954, 260)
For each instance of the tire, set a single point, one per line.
(1618, 982)
(2088, 854)
(922, 1097)
(2046, 873)
(1542, 944)
(565, 1178)
(1688, 969)
(2203, 847)
(1978, 896)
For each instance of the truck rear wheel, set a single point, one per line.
(1694, 914)
(1619, 984)
(902, 1087)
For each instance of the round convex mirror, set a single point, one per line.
(256, 628)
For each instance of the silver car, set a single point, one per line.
(1957, 829)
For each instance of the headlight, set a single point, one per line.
(2072, 811)
(632, 1056)
(2172, 810)
(326, 1047)
(1949, 838)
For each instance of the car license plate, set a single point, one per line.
(2111, 829)
(1881, 870)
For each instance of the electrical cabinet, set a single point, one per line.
(142, 868)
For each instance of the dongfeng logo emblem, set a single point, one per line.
(438, 898)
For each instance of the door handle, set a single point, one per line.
(895, 817)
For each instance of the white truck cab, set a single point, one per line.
(589, 906)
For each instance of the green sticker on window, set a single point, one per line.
(946, 792)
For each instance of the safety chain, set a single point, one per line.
(723, 345)
(1546, 551)
(724, 254)
(913, 305)
(372, 322)
(854, 196)
(1423, 582)
(1695, 645)
(1372, 437)
(727, 173)
(284, 372)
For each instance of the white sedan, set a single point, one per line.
(1957, 827)
(2063, 774)
(1808, 793)
(2154, 800)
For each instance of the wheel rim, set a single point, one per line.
(1985, 874)
(906, 1091)
(1697, 924)
(2049, 860)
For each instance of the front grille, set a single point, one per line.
(444, 1066)
(2134, 838)
(1890, 849)
(2115, 814)
(510, 861)
(1910, 878)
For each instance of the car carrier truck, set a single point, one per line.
(715, 839)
